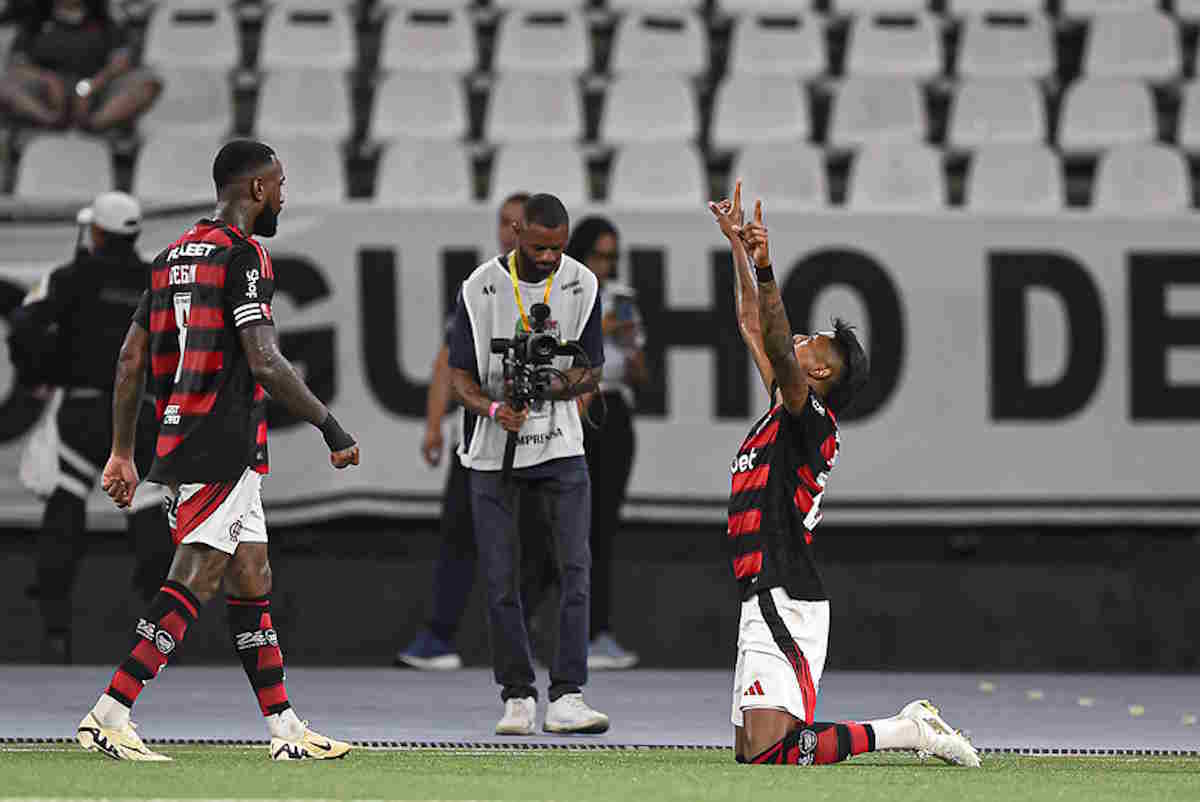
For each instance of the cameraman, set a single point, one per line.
(67, 334)
(549, 469)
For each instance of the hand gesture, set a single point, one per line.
(754, 236)
(119, 480)
(729, 214)
(511, 420)
(431, 446)
(344, 458)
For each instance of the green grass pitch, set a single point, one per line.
(216, 772)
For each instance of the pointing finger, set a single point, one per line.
(758, 212)
(737, 196)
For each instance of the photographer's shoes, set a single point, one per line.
(520, 717)
(569, 713)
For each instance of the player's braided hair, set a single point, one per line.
(856, 368)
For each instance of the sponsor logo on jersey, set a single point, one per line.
(816, 404)
(164, 642)
(755, 690)
(252, 283)
(191, 249)
(146, 629)
(256, 639)
(743, 462)
(171, 415)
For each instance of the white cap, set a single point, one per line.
(113, 211)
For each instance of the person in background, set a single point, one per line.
(67, 335)
(610, 445)
(71, 67)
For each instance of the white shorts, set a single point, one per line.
(781, 655)
(221, 514)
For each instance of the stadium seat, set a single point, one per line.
(287, 100)
(539, 5)
(896, 178)
(192, 33)
(1187, 10)
(429, 40)
(1015, 179)
(971, 8)
(759, 110)
(766, 7)
(424, 173)
(1133, 45)
(176, 168)
(771, 45)
(661, 176)
(1188, 135)
(534, 108)
(654, 6)
(533, 41)
(998, 111)
(192, 101)
(651, 108)
(314, 168)
(1142, 179)
(894, 44)
(660, 43)
(1089, 8)
(64, 168)
(309, 34)
(556, 168)
(1017, 46)
(419, 106)
(877, 110)
(856, 7)
(1098, 113)
(791, 175)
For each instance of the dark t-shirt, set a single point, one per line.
(75, 50)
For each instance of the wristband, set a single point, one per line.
(493, 409)
(337, 438)
(764, 274)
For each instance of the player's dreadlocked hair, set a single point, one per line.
(856, 368)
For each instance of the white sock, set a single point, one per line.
(110, 713)
(286, 725)
(896, 733)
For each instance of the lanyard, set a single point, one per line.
(512, 274)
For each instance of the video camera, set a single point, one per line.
(528, 357)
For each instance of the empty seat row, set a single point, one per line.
(1008, 179)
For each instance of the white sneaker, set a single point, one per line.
(119, 743)
(569, 713)
(311, 745)
(937, 737)
(520, 717)
(605, 654)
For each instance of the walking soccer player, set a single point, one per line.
(779, 478)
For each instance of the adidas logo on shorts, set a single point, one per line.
(754, 690)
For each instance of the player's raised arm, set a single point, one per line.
(120, 477)
(274, 372)
(745, 289)
(790, 375)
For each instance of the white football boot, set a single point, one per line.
(569, 713)
(309, 746)
(520, 717)
(119, 743)
(937, 737)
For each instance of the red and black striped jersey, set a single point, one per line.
(208, 284)
(779, 477)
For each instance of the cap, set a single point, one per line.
(113, 211)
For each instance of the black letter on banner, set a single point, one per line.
(301, 281)
(1012, 274)
(457, 265)
(397, 393)
(1152, 333)
(20, 410)
(711, 328)
(866, 277)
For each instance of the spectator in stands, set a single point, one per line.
(610, 445)
(71, 67)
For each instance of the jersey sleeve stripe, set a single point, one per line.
(751, 480)
(263, 258)
(747, 565)
(745, 523)
(765, 437)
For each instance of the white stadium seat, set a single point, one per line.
(770, 7)
(309, 34)
(192, 33)
(660, 43)
(437, 39)
(654, 6)
(541, 41)
(1015, 179)
(792, 176)
(1091, 8)
(759, 110)
(897, 178)
(314, 168)
(1142, 179)
(771, 45)
(1187, 10)
(1133, 45)
(894, 44)
(424, 173)
(660, 176)
(419, 106)
(64, 168)
(192, 101)
(539, 5)
(1188, 135)
(287, 99)
(1098, 113)
(534, 108)
(176, 168)
(877, 110)
(856, 7)
(999, 111)
(651, 108)
(1019, 46)
(968, 8)
(556, 168)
